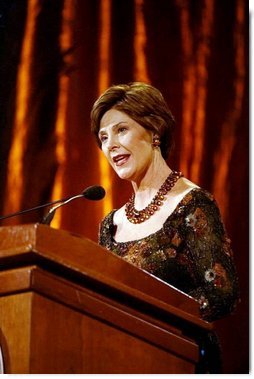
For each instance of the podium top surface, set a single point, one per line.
(68, 254)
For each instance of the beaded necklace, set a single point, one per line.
(137, 217)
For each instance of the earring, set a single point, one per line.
(156, 142)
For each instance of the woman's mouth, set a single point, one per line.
(121, 159)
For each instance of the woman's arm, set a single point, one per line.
(206, 241)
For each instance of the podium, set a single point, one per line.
(69, 306)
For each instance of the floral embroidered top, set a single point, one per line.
(191, 252)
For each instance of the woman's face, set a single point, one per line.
(126, 145)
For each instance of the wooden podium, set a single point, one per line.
(69, 306)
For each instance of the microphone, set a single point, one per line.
(91, 193)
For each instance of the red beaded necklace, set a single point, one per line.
(137, 217)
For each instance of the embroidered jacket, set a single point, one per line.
(191, 252)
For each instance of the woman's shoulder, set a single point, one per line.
(106, 228)
(189, 194)
(189, 191)
(200, 207)
(198, 195)
(108, 219)
(196, 202)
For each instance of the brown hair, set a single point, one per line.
(141, 102)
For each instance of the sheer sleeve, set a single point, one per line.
(106, 230)
(207, 244)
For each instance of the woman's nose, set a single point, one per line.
(112, 143)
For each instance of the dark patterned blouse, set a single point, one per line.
(191, 252)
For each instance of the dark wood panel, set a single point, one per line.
(15, 325)
(70, 342)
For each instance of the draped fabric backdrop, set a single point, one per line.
(57, 56)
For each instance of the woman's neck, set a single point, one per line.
(151, 182)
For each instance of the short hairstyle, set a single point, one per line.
(141, 102)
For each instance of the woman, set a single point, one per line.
(170, 227)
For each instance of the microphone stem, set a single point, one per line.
(50, 215)
(65, 202)
(35, 208)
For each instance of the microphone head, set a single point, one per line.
(94, 193)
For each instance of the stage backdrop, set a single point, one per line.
(57, 56)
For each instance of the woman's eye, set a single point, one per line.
(122, 129)
(103, 138)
